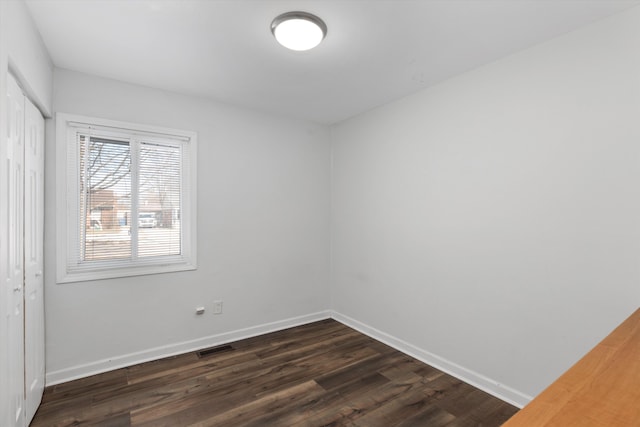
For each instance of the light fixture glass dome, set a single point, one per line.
(298, 30)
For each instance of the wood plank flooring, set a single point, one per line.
(320, 374)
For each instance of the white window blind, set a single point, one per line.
(129, 198)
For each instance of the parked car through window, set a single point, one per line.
(146, 220)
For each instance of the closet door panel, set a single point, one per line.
(33, 258)
(14, 257)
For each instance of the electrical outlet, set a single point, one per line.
(217, 307)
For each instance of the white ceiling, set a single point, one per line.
(375, 51)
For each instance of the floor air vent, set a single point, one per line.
(214, 350)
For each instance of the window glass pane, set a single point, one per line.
(159, 225)
(105, 198)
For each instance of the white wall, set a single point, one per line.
(263, 234)
(492, 223)
(24, 52)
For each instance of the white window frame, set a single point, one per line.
(68, 212)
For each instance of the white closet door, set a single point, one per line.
(33, 258)
(13, 196)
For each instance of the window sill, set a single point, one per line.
(115, 273)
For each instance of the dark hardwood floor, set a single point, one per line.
(320, 374)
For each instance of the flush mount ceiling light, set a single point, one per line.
(298, 30)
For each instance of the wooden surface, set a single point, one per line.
(323, 373)
(602, 389)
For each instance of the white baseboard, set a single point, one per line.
(477, 380)
(493, 387)
(105, 365)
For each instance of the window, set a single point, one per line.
(126, 203)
